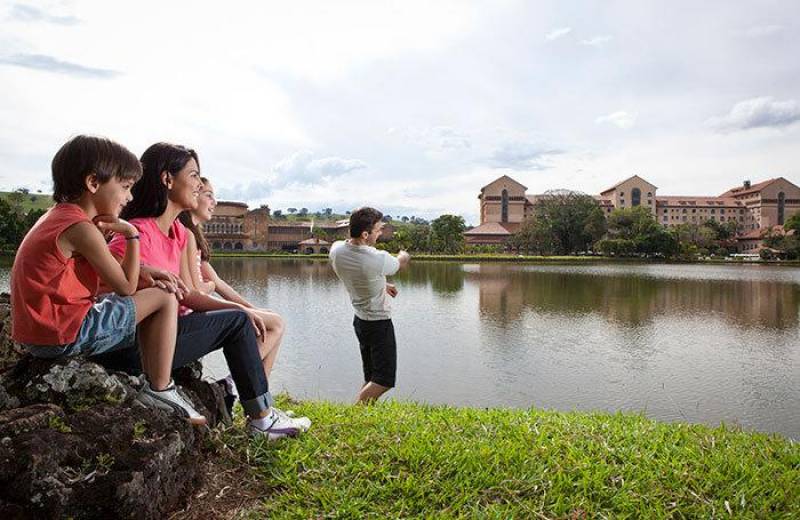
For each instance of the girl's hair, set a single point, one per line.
(150, 195)
(197, 231)
(84, 155)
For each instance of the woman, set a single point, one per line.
(170, 184)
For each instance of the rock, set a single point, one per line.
(74, 443)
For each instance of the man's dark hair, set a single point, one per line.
(150, 194)
(364, 219)
(84, 155)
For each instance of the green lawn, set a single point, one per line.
(31, 200)
(401, 460)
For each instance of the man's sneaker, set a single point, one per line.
(303, 423)
(170, 400)
(273, 426)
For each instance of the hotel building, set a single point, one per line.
(505, 204)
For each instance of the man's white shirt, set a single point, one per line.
(363, 270)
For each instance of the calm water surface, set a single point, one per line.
(678, 342)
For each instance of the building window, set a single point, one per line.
(649, 193)
(504, 207)
(622, 194)
(621, 202)
(781, 207)
(636, 197)
(713, 211)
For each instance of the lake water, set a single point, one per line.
(690, 343)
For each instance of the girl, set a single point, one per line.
(205, 279)
(171, 184)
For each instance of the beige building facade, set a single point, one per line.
(505, 204)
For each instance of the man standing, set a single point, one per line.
(363, 270)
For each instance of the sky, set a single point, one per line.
(410, 106)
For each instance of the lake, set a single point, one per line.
(696, 343)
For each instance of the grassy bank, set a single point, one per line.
(398, 460)
(522, 259)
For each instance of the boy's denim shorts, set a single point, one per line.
(109, 325)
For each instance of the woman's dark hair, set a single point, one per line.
(199, 237)
(364, 219)
(150, 194)
(84, 155)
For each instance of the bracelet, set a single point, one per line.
(134, 237)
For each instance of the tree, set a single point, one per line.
(404, 219)
(564, 222)
(638, 227)
(793, 222)
(292, 210)
(277, 214)
(533, 236)
(328, 212)
(303, 212)
(447, 234)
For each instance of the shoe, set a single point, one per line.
(304, 423)
(170, 400)
(274, 426)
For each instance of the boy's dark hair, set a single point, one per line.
(199, 237)
(84, 155)
(150, 194)
(364, 219)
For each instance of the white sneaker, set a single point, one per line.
(304, 423)
(274, 426)
(170, 400)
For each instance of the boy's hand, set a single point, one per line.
(404, 258)
(110, 224)
(391, 290)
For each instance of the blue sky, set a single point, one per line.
(410, 106)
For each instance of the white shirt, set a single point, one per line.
(363, 270)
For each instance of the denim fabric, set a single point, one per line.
(202, 332)
(109, 325)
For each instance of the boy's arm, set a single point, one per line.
(87, 240)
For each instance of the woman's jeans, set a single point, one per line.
(202, 332)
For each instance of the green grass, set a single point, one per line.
(405, 460)
(32, 200)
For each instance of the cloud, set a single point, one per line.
(51, 64)
(761, 112)
(558, 33)
(597, 41)
(521, 156)
(760, 31)
(27, 13)
(619, 119)
(439, 138)
(298, 169)
(302, 168)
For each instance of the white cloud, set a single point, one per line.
(558, 33)
(522, 156)
(619, 119)
(761, 112)
(597, 41)
(760, 31)
(434, 138)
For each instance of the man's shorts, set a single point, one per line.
(109, 325)
(378, 350)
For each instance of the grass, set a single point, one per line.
(405, 460)
(31, 200)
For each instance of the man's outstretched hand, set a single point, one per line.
(391, 290)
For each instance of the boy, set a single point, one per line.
(61, 261)
(363, 270)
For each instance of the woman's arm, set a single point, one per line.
(222, 287)
(194, 268)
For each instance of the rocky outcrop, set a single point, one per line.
(73, 442)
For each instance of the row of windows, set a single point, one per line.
(694, 210)
(216, 227)
(683, 218)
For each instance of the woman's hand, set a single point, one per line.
(258, 323)
(165, 280)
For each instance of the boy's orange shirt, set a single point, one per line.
(50, 294)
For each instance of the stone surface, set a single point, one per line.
(73, 442)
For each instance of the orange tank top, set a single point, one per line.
(50, 294)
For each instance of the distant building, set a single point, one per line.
(504, 205)
(235, 227)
